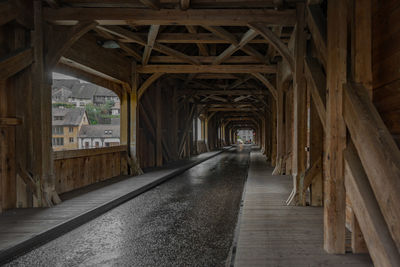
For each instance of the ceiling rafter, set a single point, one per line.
(123, 33)
(185, 4)
(125, 47)
(203, 50)
(151, 38)
(249, 35)
(153, 4)
(275, 41)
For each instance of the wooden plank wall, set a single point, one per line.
(385, 62)
(74, 169)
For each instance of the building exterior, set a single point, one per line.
(247, 136)
(116, 109)
(100, 135)
(66, 126)
(80, 94)
(103, 95)
(61, 94)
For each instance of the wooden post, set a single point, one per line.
(158, 109)
(316, 154)
(299, 156)
(362, 73)
(273, 132)
(41, 98)
(334, 191)
(280, 129)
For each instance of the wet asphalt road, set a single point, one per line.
(187, 221)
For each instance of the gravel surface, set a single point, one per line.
(187, 221)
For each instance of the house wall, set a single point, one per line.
(386, 62)
(102, 142)
(66, 135)
(79, 102)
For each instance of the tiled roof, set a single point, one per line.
(71, 116)
(99, 131)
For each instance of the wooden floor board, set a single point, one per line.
(273, 234)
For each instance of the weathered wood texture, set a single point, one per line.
(273, 234)
(385, 62)
(78, 168)
(379, 241)
(377, 151)
(334, 191)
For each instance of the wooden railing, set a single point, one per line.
(78, 168)
(372, 176)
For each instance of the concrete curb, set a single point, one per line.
(11, 253)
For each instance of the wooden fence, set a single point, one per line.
(78, 168)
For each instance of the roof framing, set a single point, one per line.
(133, 16)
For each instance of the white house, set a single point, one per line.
(101, 135)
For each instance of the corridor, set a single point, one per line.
(187, 221)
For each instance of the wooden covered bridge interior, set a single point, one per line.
(318, 81)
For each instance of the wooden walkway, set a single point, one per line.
(23, 229)
(273, 234)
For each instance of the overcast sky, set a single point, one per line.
(62, 76)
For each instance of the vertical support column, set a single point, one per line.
(334, 191)
(280, 132)
(362, 73)
(206, 132)
(299, 102)
(158, 109)
(195, 150)
(43, 162)
(274, 131)
(316, 154)
(175, 124)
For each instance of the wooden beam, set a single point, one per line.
(123, 46)
(202, 38)
(126, 16)
(205, 59)
(8, 121)
(151, 38)
(378, 153)
(335, 141)
(158, 109)
(185, 4)
(226, 92)
(317, 81)
(7, 12)
(147, 83)
(380, 244)
(207, 69)
(267, 84)
(87, 52)
(186, 129)
(271, 52)
(15, 62)
(154, 4)
(61, 41)
(317, 25)
(362, 44)
(232, 109)
(130, 51)
(249, 35)
(238, 82)
(308, 177)
(203, 50)
(123, 33)
(275, 41)
(53, 3)
(299, 140)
